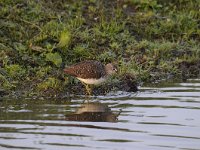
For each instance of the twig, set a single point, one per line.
(31, 24)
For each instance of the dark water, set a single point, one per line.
(165, 117)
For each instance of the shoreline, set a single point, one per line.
(150, 42)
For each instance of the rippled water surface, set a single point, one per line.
(164, 117)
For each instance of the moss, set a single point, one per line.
(5, 83)
(50, 82)
(55, 58)
(43, 71)
(15, 71)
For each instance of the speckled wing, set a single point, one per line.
(87, 70)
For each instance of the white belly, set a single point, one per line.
(92, 81)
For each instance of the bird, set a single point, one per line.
(91, 72)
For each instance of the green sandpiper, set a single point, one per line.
(91, 72)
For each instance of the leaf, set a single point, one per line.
(36, 48)
(54, 58)
(65, 39)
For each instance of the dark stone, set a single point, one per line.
(3, 93)
(189, 69)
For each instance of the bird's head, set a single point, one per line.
(111, 68)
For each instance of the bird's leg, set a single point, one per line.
(89, 90)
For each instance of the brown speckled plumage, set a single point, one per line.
(87, 70)
(91, 72)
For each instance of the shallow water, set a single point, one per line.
(164, 117)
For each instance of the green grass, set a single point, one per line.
(150, 39)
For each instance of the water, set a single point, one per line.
(164, 117)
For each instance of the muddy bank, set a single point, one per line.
(147, 42)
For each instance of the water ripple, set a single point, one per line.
(158, 117)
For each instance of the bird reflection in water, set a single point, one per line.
(94, 112)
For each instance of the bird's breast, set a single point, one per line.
(92, 81)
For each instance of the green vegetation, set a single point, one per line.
(150, 40)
